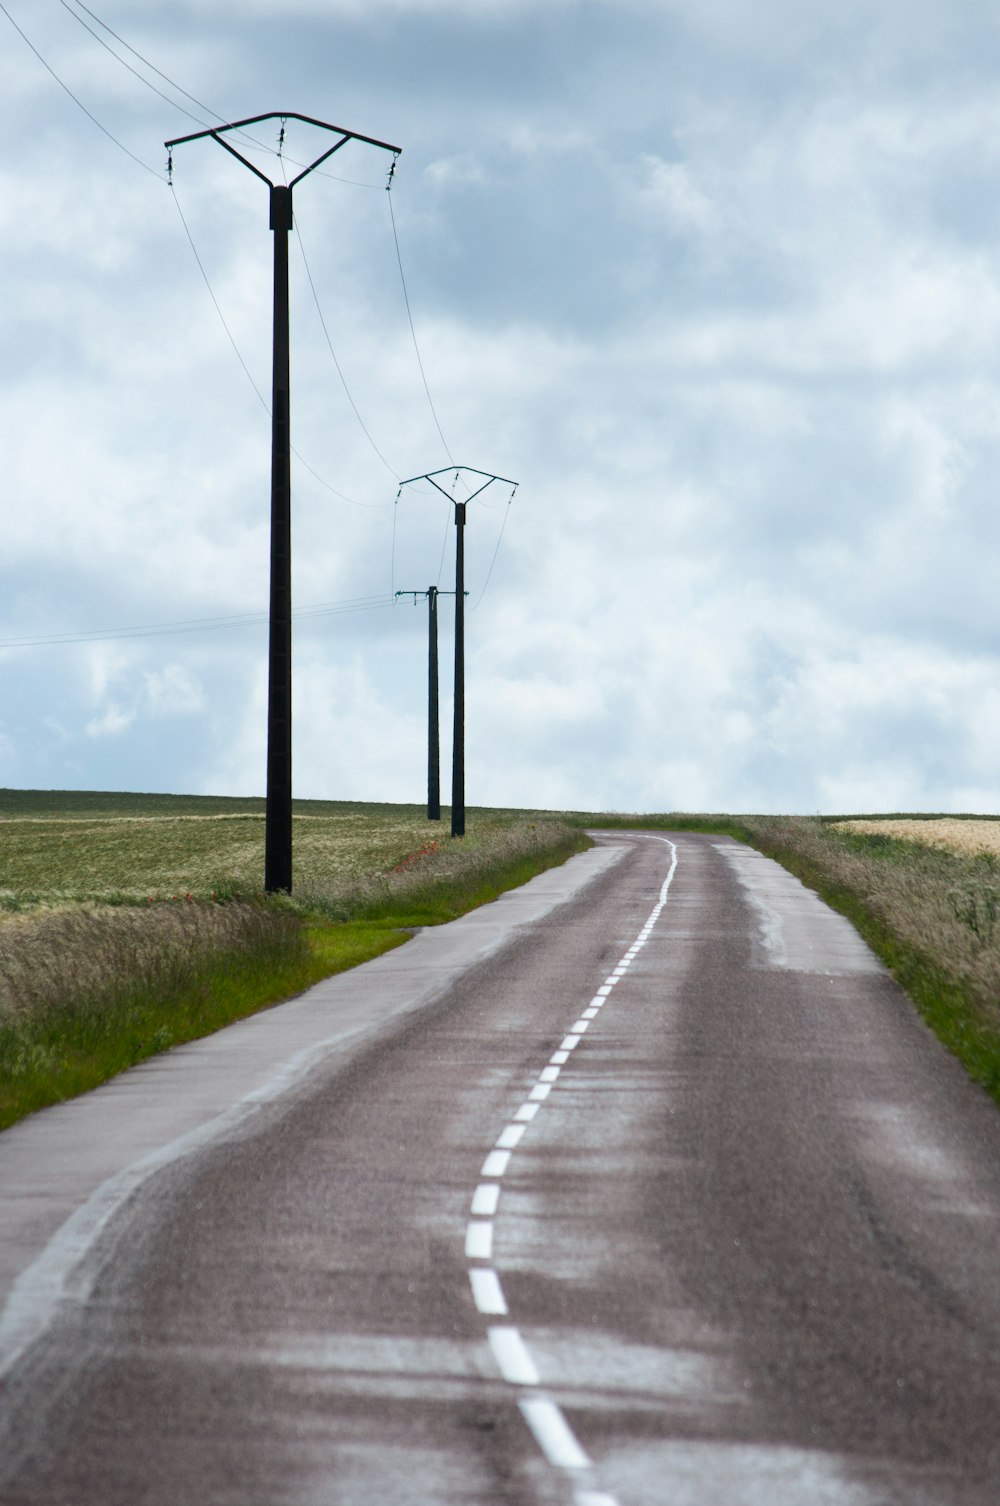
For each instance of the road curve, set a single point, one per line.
(645, 1185)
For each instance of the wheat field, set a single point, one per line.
(969, 838)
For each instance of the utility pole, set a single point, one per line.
(433, 725)
(278, 818)
(458, 729)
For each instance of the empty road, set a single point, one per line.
(645, 1186)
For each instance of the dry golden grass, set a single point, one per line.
(968, 838)
(52, 956)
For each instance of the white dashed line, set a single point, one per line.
(511, 1355)
(479, 1240)
(487, 1293)
(496, 1163)
(553, 1434)
(485, 1199)
(545, 1419)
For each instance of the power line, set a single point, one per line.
(413, 332)
(211, 294)
(364, 427)
(78, 102)
(196, 624)
(144, 60)
(496, 551)
(134, 71)
(207, 109)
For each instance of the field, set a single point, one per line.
(132, 848)
(130, 923)
(966, 835)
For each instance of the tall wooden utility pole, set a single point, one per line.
(278, 818)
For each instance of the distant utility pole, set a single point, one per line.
(278, 820)
(458, 732)
(433, 726)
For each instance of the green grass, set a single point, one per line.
(931, 915)
(135, 922)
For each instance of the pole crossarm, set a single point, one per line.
(456, 470)
(426, 592)
(217, 133)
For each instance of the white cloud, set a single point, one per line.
(716, 286)
(668, 191)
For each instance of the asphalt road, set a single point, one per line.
(646, 1185)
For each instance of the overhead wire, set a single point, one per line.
(195, 624)
(409, 315)
(78, 102)
(496, 551)
(215, 301)
(326, 332)
(134, 71)
(347, 391)
(245, 135)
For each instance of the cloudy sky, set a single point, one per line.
(717, 282)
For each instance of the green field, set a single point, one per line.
(130, 923)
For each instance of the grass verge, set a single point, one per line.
(931, 915)
(88, 989)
